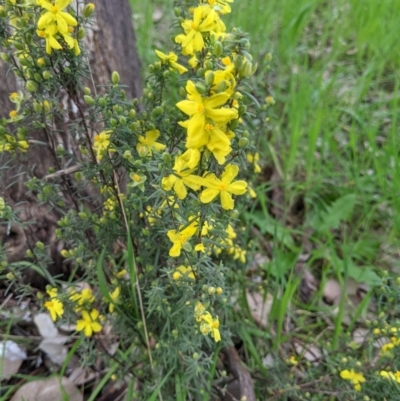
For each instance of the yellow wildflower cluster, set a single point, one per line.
(9, 143)
(82, 301)
(394, 376)
(55, 24)
(355, 378)
(394, 339)
(212, 106)
(207, 324)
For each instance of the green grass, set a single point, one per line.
(333, 135)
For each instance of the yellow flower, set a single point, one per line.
(199, 310)
(200, 248)
(148, 143)
(101, 144)
(55, 15)
(254, 158)
(191, 157)
(181, 179)
(355, 378)
(54, 306)
(223, 187)
(238, 254)
(114, 296)
(293, 361)
(208, 324)
(200, 110)
(204, 20)
(48, 34)
(224, 80)
(231, 232)
(88, 323)
(216, 141)
(82, 297)
(179, 238)
(15, 97)
(171, 60)
(10, 143)
(391, 375)
(72, 43)
(183, 271)
(221, 5)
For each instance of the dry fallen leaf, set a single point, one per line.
(332, 292)
(45, 325)
(360, 335)
(53, 389)
(11, 358)
(309, 352)
(259, 306)
(53, 342)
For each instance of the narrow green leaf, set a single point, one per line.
(158, 388)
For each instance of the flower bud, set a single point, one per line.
(132, 113)
(243, 142)
(31, 86)
(102, 102)
(115, 78)
(246, 69)
(201, 72)
(81, 33)
(10, 276)
(166, 157)
(196, 356)
(67, 70)
(242, 109)
(238, 62)
(122, 120)
(158, 111)
(182, 92)
(3, 13)
(86, 91)
(47, 74)
(200, 88)
(177, 12)
(187, 247)
(221, 87)
(37, 77)
(209, 78)
(143, 151)
(218, 49)
(209, 65)
(89, 100)
(19, 46)
(113, 122)
(233, 124)
(39, 245)
(5, 57)
(88, 10)
(23, 61)
(270, 100)
(37, 107)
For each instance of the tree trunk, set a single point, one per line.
(111, 43)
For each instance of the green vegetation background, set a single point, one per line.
(332, 145)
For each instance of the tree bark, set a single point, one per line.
(112, 46)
